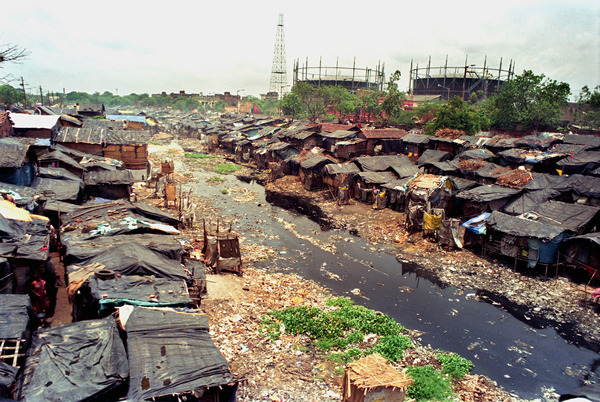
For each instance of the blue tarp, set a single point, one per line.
(477, 224)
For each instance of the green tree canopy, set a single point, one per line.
(588, 111)
(312, 98)
(292, 105)
(9, 96)
(458, 114)
(529, 101)
(393, 98)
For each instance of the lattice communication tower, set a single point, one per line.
(278, 71)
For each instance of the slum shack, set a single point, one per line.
(381, 162)
(35, 126)
(222, 251)
(331, 139)
(427, 196)
(171, 356)
(381, 140)
(373, 379)
(17, 162)
(582, 252)
(111, 185)
(366, 187)
(414, 145)
(75, 362)
(532, 159)
(583, 163)
(477, 200)
(16, 324)
(338, 177)
(128, 146)
(522, 239)
(59, 159)
(310, 170)
(58, 184)
(346, 150)
(432, 155)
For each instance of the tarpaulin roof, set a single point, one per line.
(542, 142)
(114, 177)
(432, 155)
(573, 217)
(416, 138)
(62, 157)
(406, 170)
(341, 168)
(12, 153)
(134, 259)
(315, 161)
(29, 233)
(58, 173)
(382, 162)
(74, 362)
(591, 237)
(376, 177)
(487, 193)
(339, 134)
(171, 352)
(58, 189)
(586, 186)
(15, 316)
(80, 250)
(517, 155)
(569, 149)
(138, 290)
(481, 153)
(33, 121)
(528, 201)
(446, 166)
(21, 194)
(463, 184)
(519, 226)
(102, 136)
(583, 163)
(589, 140)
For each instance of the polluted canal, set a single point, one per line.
(520, 355)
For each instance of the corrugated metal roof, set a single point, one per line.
(102, 136)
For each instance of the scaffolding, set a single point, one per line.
(351, 78)
(450, 81)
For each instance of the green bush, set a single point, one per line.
(224, 191)
(392, 346)
(428, 384)
(455, 365)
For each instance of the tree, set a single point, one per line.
(529, 101)
(369, 104)
(339, 99)
(292, 105)
(393, 98)
(9, 96)
(312, 98)
(588, 111)
(460, 115)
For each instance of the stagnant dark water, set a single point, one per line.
(521, 354)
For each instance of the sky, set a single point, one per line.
(200, 47)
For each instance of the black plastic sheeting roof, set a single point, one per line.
(73, 362)
(482, 154)
(578, 139)
(135, 288)
(518, 226)
(113, 177)
(406, 170)
(315, 161)
(581, 163)
(487, 193)
(30, 238)
(12, 153)
(340, 168)
(528, 201)
(58, 189)
(15, 316)
(171, 352)
(586, 186)
(432, 155)
(134, 259)
(382, 162)
(376, 177)
(416, 139)
(573, 217)
(79, 250)
(540, 142)
(62, 157)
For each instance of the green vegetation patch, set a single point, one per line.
(454, 365)
(428, 384)
(227, 168)
(199, 156)
(215, 179)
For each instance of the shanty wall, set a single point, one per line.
(135, 157)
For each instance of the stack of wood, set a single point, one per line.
(471, 164)
(372, 378)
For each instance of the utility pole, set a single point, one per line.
(41, 96)
(24, 93)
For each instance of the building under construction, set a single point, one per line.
(446, 82)
(351, 78)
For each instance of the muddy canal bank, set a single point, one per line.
(430, 290)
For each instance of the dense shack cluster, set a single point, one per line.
(533, 198)
(66, 185)
(135, 280)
